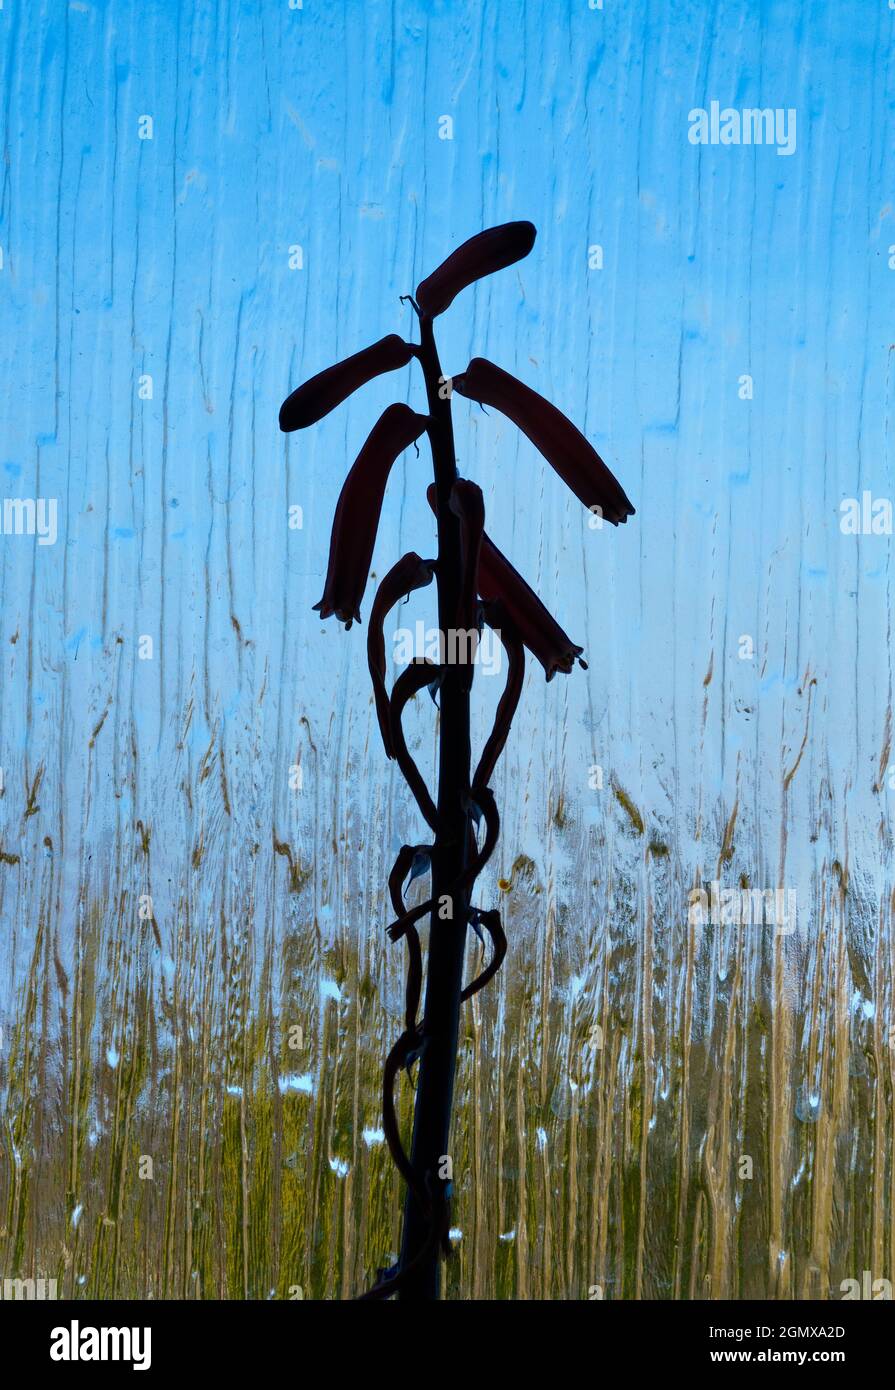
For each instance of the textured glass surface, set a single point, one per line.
(196, 989)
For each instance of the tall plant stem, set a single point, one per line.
(447, 936)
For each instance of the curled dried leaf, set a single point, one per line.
(536, 627)
(468, 505)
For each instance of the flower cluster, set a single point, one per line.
(484, 587)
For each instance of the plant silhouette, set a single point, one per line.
(475, 584)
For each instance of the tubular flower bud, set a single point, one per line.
(563, 446)
(357, 512)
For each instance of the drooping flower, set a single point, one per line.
(563, 446)
(497, 618)
(540, 632)
(357, 512)
(323, 392)
(481, 255)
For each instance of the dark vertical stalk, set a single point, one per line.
(447, 938)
